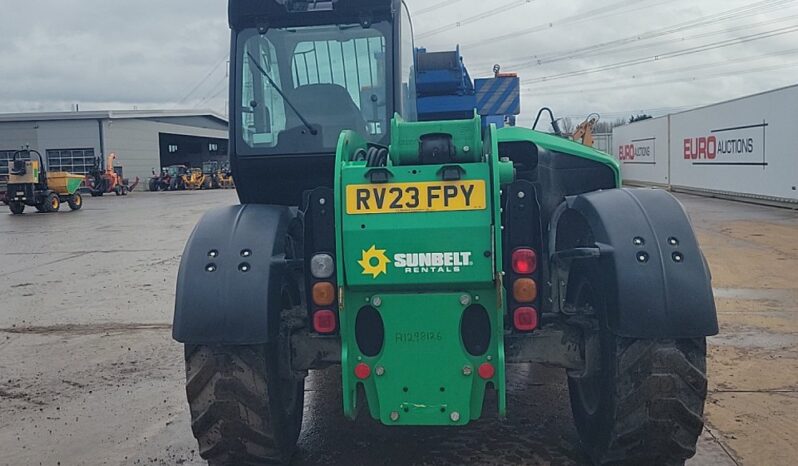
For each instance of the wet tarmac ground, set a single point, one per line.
(90, 375)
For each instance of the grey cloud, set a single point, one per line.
(150, 54)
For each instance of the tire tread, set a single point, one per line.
(659, 402)
(229, 401)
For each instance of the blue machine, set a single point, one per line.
(445, 90)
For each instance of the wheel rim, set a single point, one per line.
(588, 388)
(55, 203)
(77, 200)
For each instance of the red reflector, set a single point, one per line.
(525, 261)
(362, 371)
(324, 322)
(487, 371)
(525, 319)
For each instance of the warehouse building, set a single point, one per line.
(143, 140)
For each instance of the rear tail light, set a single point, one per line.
(525, 319)
(322, 266)
(362, 371)
(487, 371)
(525, 290)
(525, 261)
(324, 322)
(323, 294)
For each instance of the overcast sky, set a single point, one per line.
(113, 54)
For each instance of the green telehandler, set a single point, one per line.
(425, 250)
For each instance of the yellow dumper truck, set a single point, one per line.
(30, 184)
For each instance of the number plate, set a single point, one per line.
(438, 196)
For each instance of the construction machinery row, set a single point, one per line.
(31, 184)
(212, 175)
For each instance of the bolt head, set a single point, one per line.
(521, 194)
(465, 300)
(455, 416)
(322, 201)
(467, 370)
(376, 301)
(394, 416)
(467, 149)
(380, 371)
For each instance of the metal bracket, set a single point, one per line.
(379, 175)
(451, 172)
(591, 347)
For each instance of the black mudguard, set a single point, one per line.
(231, 274)
(661, 288)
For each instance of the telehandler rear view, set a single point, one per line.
(425, 251)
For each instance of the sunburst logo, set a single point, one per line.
(374, 262)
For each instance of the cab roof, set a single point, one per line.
(288, 13)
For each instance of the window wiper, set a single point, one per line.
(305, 122)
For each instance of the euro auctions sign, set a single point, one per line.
(741, 145)
(643, 151)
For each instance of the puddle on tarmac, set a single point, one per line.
(757, 294)
(755, 339)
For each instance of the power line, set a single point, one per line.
(604, 10)
(716, 18)
(666, 56)
(472, 19)
(635, 80)
(699, 36)
(217, 88)
(203, 80)
(729, 15)
(724, 74)
(434, 7)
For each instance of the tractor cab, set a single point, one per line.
(174, 171)
(303, 73)
(210, 167)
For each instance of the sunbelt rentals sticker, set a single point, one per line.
(376, 262)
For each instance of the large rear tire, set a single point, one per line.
(645, 404)
(243, 410)
(16, 208)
